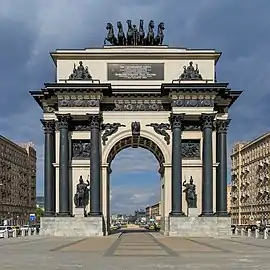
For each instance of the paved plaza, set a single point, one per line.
(134, 250)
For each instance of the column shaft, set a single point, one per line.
(176, 183)
(64, 194)
(207, 170)
(49, 170)
(221, 173)
(95, 165)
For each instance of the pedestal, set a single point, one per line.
(79, 212)
(71, 226)
(200, 226)
(193, 212)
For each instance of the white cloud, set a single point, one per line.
(134, 160)
(128, 198)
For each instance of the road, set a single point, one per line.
(134, 249)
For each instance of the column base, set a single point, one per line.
(48, 214)
(207, 214)
(63, 214)
(222, 214)
(94, 214)
(177, 214)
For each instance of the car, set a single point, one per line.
(3, 230)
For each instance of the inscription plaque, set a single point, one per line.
(135, 71)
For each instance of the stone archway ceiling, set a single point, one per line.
(143, 142)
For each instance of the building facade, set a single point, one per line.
(17, 181)
(250, 200)
(229, 188)
(153, 212)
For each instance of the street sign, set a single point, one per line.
(32, 217)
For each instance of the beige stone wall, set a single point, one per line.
(173, 59)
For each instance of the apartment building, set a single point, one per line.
(17, 181)
(153, 211)
(250, 200)
(229, 188)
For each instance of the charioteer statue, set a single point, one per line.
(81, 197)
(135, 36)
(190, 190)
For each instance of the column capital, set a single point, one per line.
(95, 120)
(207, 120)
(48, 125)
(63, 120)
(176, 120)
(222, 125)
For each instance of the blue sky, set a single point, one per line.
(30, 29)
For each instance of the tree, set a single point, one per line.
(39, 213)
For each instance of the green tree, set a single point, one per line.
(39, 213)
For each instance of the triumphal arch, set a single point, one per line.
(135, 92)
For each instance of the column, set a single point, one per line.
(64, 195)
(49, 170)
(95, 165)
(207, 160)
(176, 121)
(221, 172)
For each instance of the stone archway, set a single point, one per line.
(121, 144)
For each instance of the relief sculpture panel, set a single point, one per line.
(81, 149)
(191, 149)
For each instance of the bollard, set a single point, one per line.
(236, 231)
(265, 233)
(14, 233)
(257, 233)
(242, 232)
(35, 231)
(23, 233)
(249, 233)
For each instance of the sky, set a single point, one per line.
(30, 29)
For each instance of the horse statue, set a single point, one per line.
(150, 35)
(129, 33)
(141, 34)
(160, 36)
(121, 35)
(110, 35)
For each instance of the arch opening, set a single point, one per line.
(142, 142)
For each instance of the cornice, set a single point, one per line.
(124, 55)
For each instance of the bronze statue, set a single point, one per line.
(141, 34)
(129, 33)
(160, 36)
(80, 73)
(190, 73)
(135, 128)
(121, 35)
(191, 196)
(135, 36)
(81, 197)
(110, 35)
(150, 35)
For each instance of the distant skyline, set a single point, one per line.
(31, 29)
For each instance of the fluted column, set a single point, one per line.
(176, 121)
(95, 165)
(64, 194)
(207, 170)
(221, 172)
(49, 159)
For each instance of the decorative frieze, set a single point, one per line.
(138, 105)
(191, 149)
(109, 129)
(193, 100)
(82, 125)
(81, 149)
(161, 130)
(48, 109)
(79, 100)
(192, 126)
